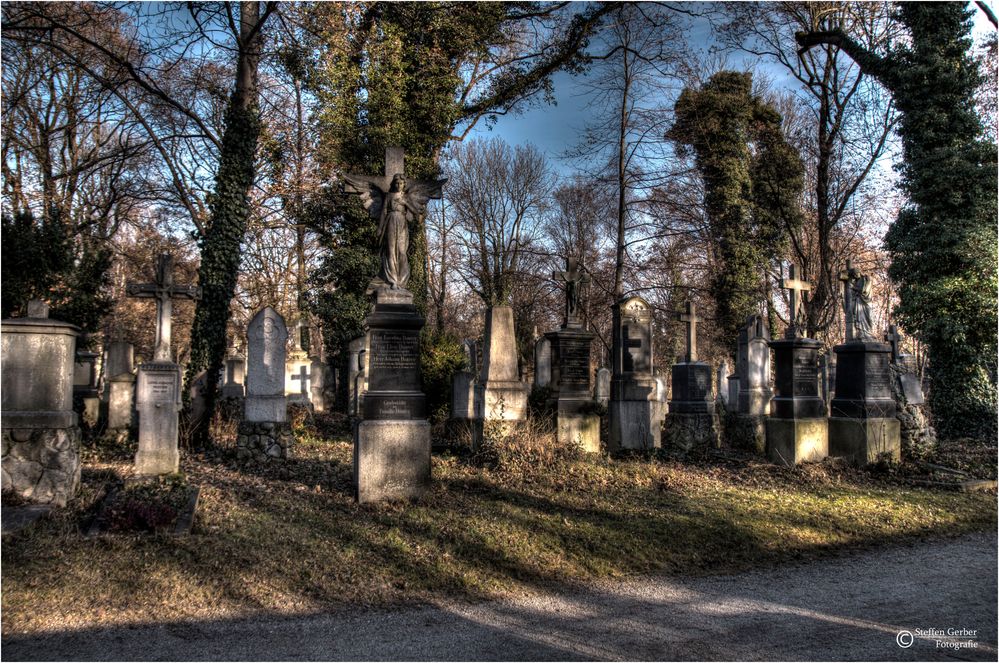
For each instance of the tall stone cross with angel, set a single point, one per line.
(395, 202)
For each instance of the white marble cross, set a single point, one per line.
(164, 292)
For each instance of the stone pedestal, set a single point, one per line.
(634, 411)
(862, 423)
(392, 443)
(41, 439)
(571, 388)
(157, 404)
(121, 397)
(797, 429)
(692, 422)
(500, 395)
(264, 441)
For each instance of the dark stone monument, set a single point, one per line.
(635, 422)
(862, 421)
(392, 442)
(570, 367)
(691, 422)
(797, 428)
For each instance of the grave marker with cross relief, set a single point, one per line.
(164, 292)
(795, 286)
(690, 318)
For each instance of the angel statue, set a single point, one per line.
(860, 305)
(394, 208)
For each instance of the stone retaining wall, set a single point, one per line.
(264, 441)
(41, 465)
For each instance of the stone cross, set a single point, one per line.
(164, 292)
(895, 340)
(304, 376)
(575, 280)
(795, 286)
(690, 317)
(847, 276)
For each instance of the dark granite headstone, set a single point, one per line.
(911, 388)
(691, 388)
(394, 384)
(863, 389)
(796, 387)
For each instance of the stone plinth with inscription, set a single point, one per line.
(157, 402)
(691, 422)
(500, 395)
(264, 433)
(41, 438)
(797, 428)
(572, 389)
(392, 442)
(862, 421)
(634, 412)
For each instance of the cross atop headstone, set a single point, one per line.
(690, 317)
(847, 276)
(304, 376)
(796, 286)
(894, 339)
(164, 292)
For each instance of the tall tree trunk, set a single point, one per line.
(622, 201)
(230, 211)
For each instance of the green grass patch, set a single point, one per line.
(289, 539)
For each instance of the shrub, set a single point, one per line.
(441, 356)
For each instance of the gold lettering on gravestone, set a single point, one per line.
(394, 350)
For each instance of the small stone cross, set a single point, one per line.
(690, 317)
(894, 338)
(796, 286)
(164, 292)
(304, 376)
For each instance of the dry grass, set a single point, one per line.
(289, 539)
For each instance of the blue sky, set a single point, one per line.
(554, 128)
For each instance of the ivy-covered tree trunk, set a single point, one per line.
(943, 243)
(230, 211)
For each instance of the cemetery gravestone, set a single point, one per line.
(41, 439)
(745, 423)
(635, 422)
(321, 383)
(721, 387)
(500, 395)
(569, 366)
(157, 398)
(797, 428)
(235, 375)
(603, 388)
(392, 442)
(862, 422)
(691, 422)
(120, 388)
(354, 368)
(917, 435)
(265, 433)
(86, 395)
(542, 362)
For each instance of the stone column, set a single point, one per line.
(500, 395)
(634, 411)
(41, 439)
(264, 432)
(797, 428)
(862, 422)
(392, 443)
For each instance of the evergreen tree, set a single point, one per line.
(943, 243)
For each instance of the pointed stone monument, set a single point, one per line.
(692, 422)
(797, 428)
(157, 399)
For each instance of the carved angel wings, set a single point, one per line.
(372, 195)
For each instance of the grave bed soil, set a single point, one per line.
(145, 506)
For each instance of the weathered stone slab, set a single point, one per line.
(158, 403)
(463, 396)
(864, 441)
(542, 362)
(794, 441)
(391, 460)
(266, 336)
(121, 396)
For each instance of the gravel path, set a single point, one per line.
(847, 608)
